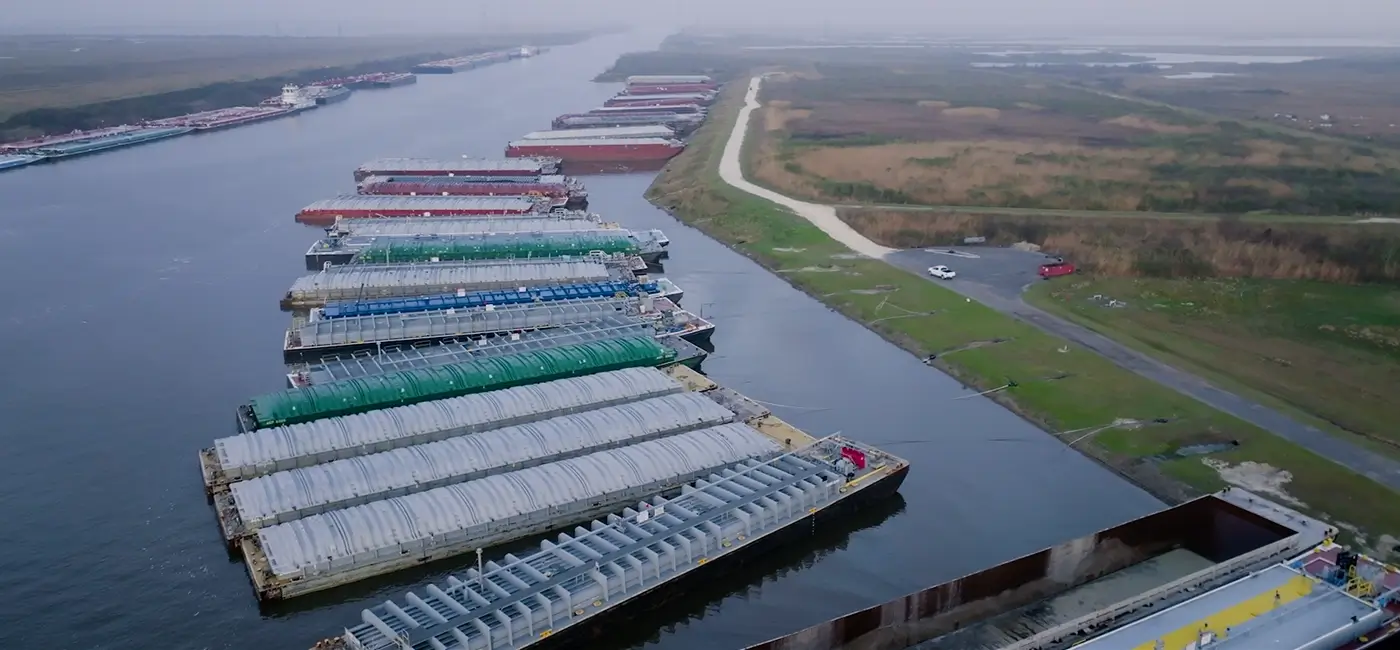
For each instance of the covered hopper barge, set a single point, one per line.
(357, 282)
(669, 99)
(681, 124)
(444, 248)
(670, 109)
(635, 558)
(599, 149)
(459, 167)
(609, 133)
(560, 193)
(658, 288)
(657, 79)
(367, 363)
(357, 206)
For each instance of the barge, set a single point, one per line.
(377, 80)
(411, 226)
(609, 133)
(261, 452)
(343, 546)
(223, 118)
(1170, 565)
(634, 560)
(355, 206)
(463, 63)
(317, 336)
(463, 167)
(68, 147)
(663, 89)
(659, 288)
(389, 359)
(681, 124)
(671, 99)
(559, 192)
(672, 109)
(280, 497)
(599, 149)
(661, 79)
(29, 144)
(444, 248)
(359, 282)
(12, 161)
(324, 95)
(294, 406)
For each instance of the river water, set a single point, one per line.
(139, 305)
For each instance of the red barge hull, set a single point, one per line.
(328, 217)
(597, 153)
(560, 195)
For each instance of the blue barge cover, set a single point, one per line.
(482, 298)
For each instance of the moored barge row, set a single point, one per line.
(598, 149)
(356, 282)
(658, 288)
(671, 109)
(668, 99)
(223, 118)
(294, 406)
(658, 79)
(681, 124)
(365, 363)
(470, 62)
(662, 89)
(413, 226)
(294, 494)
(328, 550)
(529, 167)
(630, 558)
(355, 206)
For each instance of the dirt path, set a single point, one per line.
(821, 216)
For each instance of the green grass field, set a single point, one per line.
(1060, 387)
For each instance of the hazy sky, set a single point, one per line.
(1332, 17)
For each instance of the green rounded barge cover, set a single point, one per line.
(390, 250)
(477, 376)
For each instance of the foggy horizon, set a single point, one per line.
(1067, 18)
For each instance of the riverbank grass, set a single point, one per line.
(1060, 386)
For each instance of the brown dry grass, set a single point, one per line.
(1147, 124)
(778, 112)
(973, 111)
(1117, 245)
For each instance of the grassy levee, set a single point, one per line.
(1059, 386)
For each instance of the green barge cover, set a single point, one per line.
(388, 250)
(477, 376)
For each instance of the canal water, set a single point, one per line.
(139, 306)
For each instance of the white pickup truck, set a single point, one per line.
(942, 272)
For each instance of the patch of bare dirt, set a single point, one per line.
(1147, 124)
(1259, 478)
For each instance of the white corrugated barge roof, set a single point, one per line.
(497, 509)
(274, 449)
(595, 142)
(405, 226)
(653, 131)
(647, 79)
(287, 496)
(661, 96)
(448, 165)
(355, 281)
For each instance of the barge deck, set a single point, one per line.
(514, 245)
(660, 288)
(629, 559)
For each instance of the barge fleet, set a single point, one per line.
(359, 206)
(703, 99)
(674, 109)
(366, 363)
(353, 282)
(470, 62)
(598, 149)
(1231, 571)
(531, 168)
(572, 197)
(666, 89)
(83, 143)
(662, 79)
(448, 248)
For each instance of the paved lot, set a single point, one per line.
(996, 277)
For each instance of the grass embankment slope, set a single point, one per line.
(1060, 387)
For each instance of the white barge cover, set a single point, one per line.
(468, 514)
(401, 165)
(290, 495)
(355, 281)
(321, 441)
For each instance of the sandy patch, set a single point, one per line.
(1259, 478)
(973, 111)
(782, 249)
(1145, 124)
(933, 103)
(1030, 107)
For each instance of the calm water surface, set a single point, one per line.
(139, 306)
